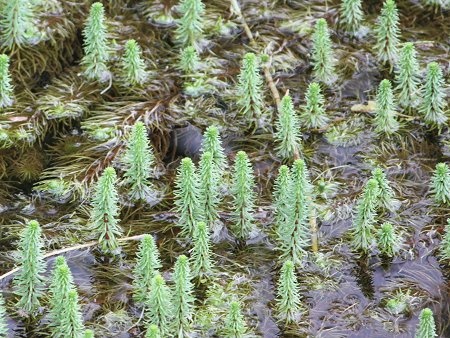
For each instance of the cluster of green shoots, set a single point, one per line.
(351, 15)
(440, 184)
(388, 33)
(322, 55)
(6, 88)
(426, 327)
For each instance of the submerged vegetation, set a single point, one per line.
(154, 182)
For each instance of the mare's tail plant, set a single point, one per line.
(71, 320)
(288, 304)
(295, 234)
(17, 26)
(388, 241)
(187, 197)
(249, 89)
(209, 194)
(385, 115)
(288, 133)
(153, 332)
(433, 97)
(88, 334)
(281, 195)
(351, 15)
(440, 184)
(95, 45)
(105, 209)
(202, 264)
(386, 194)
(322, 56)
(29, 281)
(6, 88)
(426, 327)
(189, 61)
(235, 326)
(159, 305)
(213, 144)
(363, 223)
(314, 115)
(388, 33)
(60, 285)
(407, 77)
(147, 265)
(445, 243)
(190, 26)
(3, 323)
(243, 191)
(138, 161)
(183, 298)
(133, 66)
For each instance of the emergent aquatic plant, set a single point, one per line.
(388, 241)
(234, 326)
(134, 71)
(407, 76)
(29, 281)
(288, 304)
(281, 195)
(212, 143)
(88, 334)
(244, 196)
(386, 194)
(249, 89)
(364, 220)
(426, 327)
(71, 319)
(295, 236)
(440, 184)
(385, 115)
(183, 298)
(314, 115)
(159, 310)
(209, 195)
(95, 44)
(105, 209)
(322, 56)
(190, 26)
(153, 332)
(6, 88)
(189, 60)
(202, 263)
(388, 33)
(288, 133)
(60, 285)
(17, 26)
(138, 161)
(433, 97)
(147, 265)
(3, 323)
(445, 242)
(187, 197)
(351, 15)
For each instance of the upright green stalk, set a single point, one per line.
(235, 326)
(209, 194)
(288, 295)
(296, 235)
(288, 133)
(213, 144)
(351, 15)
(314, 115)
(95, 44)
(407, 77)
(3, 323)
(183, 300)
(153, 332)
(138, 161)
(433, 97)
(187, 197)
(281, 197)
(105, 209)
(385, 115)
(88, 334)
(61, 284)
(189, 60)
(71, 320)
(6, 88)
(202, 263)
(386, 197)
(445, 243)
(322, 56)
(190, 26)
(147, 266)
(440, 184)
(133, 65)
(389, 242)
(387, 33)
(244, 196)
(363, 223)
(29, 281)
(249, 89)
(426, 327)
(17, 23)
(159, 305)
